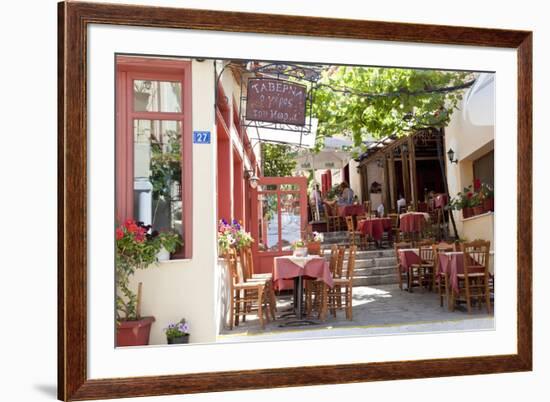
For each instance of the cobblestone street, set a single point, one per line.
(377, 310)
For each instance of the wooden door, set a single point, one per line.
(279, 217)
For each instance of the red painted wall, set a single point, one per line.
(224, 169)
(238, 196)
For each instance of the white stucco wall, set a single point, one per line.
(186, 288)
(355, 178)
(374, 174)
(471, 134)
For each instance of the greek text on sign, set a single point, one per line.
(276, 101)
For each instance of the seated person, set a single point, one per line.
(401, 204)
(346, 194)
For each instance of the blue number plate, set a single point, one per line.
(201, 137)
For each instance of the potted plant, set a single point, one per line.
(333, 193)
(136, 248)
(299, 248)
(232, 235)
(314, 243)
(466, 201)
(177, 333)
(462, 202)
(488, 197)
(169, 241)
(476, 204)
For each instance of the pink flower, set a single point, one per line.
(119, 233)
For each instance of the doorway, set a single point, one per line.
(279, 218)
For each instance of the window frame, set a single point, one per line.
(478, 161)
(128, 69)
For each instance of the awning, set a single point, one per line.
(332, 156)
(280, 136)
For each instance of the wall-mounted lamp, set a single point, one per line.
(379, 163)
(252, 178)
(405, 148)
(451, 155)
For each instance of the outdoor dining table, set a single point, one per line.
(408, 257)
(351, 210)
(451, 264)
(413, 222)
(298, 268)
(375, 227)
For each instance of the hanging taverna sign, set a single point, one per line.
(276, 101)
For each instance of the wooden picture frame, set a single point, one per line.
(73, 383)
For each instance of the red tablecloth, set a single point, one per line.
(452, 264)
(412, 222)
(316, 267)
(374, 227)
(408, 257)
(350, 210)
(440, 200)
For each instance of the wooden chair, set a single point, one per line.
(395, 227)
(422, 206)
(400, 274)
(422, 274)
(368, 208)
(342, 291)
(245, 297)
(332, 219)
(474, 282)
(366, 240)
(247, 263)
(339, 267)
(338, 271)
(314, 289)
(441, 281)
(354, 237)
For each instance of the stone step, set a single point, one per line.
(372, 280)
(375, 263)
(374, 271)
(336, 240)
(332, 235)
(367, 254)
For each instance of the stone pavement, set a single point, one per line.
(382, 309)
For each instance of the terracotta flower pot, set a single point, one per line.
(134, 333)
(478, 210)
(467, 212)
(489, 204)
(314, 247)
(178, 340)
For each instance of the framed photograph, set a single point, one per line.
(253, 200)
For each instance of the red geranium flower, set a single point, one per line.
(140, 237)
(132, 228)
(119, 233)
(477, 184)
(469, 195)
(129, 222)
